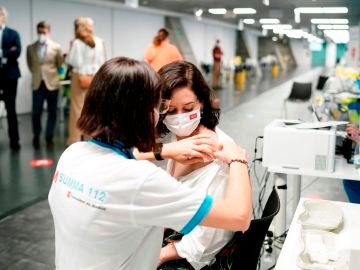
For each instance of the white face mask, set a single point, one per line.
(42, 38)
(183, 124)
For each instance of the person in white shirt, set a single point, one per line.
(110, 209)
(86, 55)
(192, 111)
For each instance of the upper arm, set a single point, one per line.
(28, 58)
(147, 55)
(220, 216)
(17, 44)
(178, 54)
(75, 58)
(164, 202)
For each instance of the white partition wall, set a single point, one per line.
(134, 31)
(330, 55)
(61, 16)
(251, 39)
(202, 37)
(301, 52)
(126, 32)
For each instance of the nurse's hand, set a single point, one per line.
(191, 150)
(353, 133)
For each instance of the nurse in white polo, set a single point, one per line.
(110, 209)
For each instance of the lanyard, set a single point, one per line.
(118, 147)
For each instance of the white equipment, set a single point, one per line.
(288, 147)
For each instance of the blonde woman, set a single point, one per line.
(86, 55)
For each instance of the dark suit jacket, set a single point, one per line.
(10, 39)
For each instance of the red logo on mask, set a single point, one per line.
(193, 116)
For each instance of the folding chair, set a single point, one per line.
(321, 82)
(300, 93)
(243, 250)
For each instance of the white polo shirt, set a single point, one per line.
(109, 212)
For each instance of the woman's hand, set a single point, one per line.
(191, 150)
(353, 132)
(230, 150)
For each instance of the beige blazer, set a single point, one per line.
(47, 69)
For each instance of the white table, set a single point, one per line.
(342, 171)
(348, 236)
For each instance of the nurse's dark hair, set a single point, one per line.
(181, 74)
(120, 103)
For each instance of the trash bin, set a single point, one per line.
(275, 71)
(240, 77)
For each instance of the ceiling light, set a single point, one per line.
(249, 21)
(199, 12)
(292, 33)
(321, 9)
(269, 21)
(324, 26)
(266, 2)
(330, 21)
(335, 26)
(277, 26)
(274, 38)
(217, 11)
(335, 10)
(132, 3)
(244, 11)
(340, 26)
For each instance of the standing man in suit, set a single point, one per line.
(44, 57)
(10, 49)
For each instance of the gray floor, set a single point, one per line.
(27, 236)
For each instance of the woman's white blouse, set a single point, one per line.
(84, 59)
(200, 246)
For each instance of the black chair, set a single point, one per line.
(300, 93)
(243, 250)
(321, 82)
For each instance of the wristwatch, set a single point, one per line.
(157, 152)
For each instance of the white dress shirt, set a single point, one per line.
(1, 34)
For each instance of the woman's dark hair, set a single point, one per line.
(120, 103)
(162, 34)
(181, 74)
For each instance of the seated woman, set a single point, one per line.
(191, 112)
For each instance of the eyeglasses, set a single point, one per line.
(164, 106)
